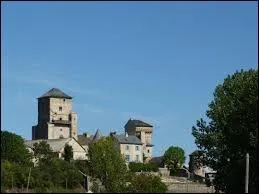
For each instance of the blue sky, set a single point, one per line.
(155, 61)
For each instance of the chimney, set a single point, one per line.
(112, 133)
(86, 134)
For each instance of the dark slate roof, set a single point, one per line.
(83, 140)
(55, 93)
(138, 123)
(131, 139)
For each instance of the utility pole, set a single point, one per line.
(28, 181)
(247, 173)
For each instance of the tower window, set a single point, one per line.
(147, 151)
(60, 119)
(60, 129)
(64, 100)
(127, 147)
(60, 108)
(61, 137)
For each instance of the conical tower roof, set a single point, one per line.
(55, 93)
(97, 135)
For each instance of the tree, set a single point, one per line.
(68, 153)
(107, 164)
(43, 152)
(13, 148)
(231, 131)
(146, 184)
(13, 174)
(174, 158)
(195, 161)
(82, 165)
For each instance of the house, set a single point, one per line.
(86, 139)
(143, 131)
(130, 146)
(58, 145)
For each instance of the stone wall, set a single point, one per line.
(66, 108)
(59, 131)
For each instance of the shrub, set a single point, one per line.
(138, 167)
(146, 184)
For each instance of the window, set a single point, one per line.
(60, 129)
(64, 100)
(137, 148)
(127, 158)
(60, 119)
(127, 147)
(147, 151)
(60, 108)
(137, 158)
(61, 137)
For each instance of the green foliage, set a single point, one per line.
(174, 158)
(59, 174)
(195, 161)
(146, 184)
(138, 167)
(231, 131)
(68, 153)
(107, 164)
(13, 174)
(43, 152)
(50, 175)
(13, 149)
(82, 165)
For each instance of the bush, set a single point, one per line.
(138, 167)
(146, 184)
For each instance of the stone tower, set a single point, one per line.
(144, 132)
(55, 117)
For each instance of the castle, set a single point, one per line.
(55, 117)
(57, 121)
